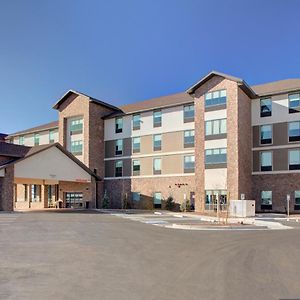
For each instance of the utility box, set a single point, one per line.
(242, 208)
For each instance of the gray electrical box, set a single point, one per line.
(242, 208)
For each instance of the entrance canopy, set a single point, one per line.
(49, 162)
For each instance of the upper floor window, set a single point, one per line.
(119, 147)
(266, 134)
(157, 142)
(294, 103)
(36, 139)
(21, 140)
(157, 118)
(51, 136)
(76, 125)
(216, 156)
(119, 168)
(266, 107)
(266, 161)
(214, 127)
(136, 167)
(119, 124)
(294, 159)
(157, 166)
(188, 113)
(189, 164)
(294, 131)
(215, 98)
(136, 144)
(189, 138)
(76, 147)
(136, 122)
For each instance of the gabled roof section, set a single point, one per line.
(12, 150)
(51, 125)
(91, 99)
(277, 87)
(2, 136)
(30, 151)
(241, 83)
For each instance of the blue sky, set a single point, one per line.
(129, 50)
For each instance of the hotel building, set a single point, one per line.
(220, 137)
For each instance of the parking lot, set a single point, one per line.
(90, 255)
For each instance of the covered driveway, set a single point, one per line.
(46, 177)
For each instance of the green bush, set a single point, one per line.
(105, 200)
(170, 204)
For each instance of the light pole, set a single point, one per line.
(288, 198)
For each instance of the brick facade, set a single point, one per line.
(7, 189)
(168, 186)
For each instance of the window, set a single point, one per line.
(211, 199)
(35, 193)
(119, 168)
(136, 196)
(294, 103)
(294, 131)
(76, 147)
(136, 122)
(266, 199)
(266, 161)
(189, 138)
(119, 125)
(189, 164)
(157, 200)
(119, 147)
(294, 159)
(136, 167)
(297, 200)
(21, 140)
(266, 134)
(36, 139)
(74, 199)
(157, 118)
(215, 98)
(266, 107)
(76, 126)
(51, 136)
(157, 142)
(136, 144)
(188, 113)
(214, 127)
(216, 156)
(156, 166)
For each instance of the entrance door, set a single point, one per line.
(74, 200)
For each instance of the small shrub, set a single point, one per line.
(185, 206)
(105, 200)
(170, 204)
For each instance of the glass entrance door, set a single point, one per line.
(74, 200)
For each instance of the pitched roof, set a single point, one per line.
(30, 151)
(12, 150)
(241, 83)
(51, 125)
(91, 99)
(277, 87)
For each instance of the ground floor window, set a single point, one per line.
(136, 196)
(35, 193)
(157, 200)
(74, 200)
(266, 199)
(211, 199)
(297, 200)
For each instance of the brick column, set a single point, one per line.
(7, 190)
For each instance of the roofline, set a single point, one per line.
(91, 99)
(279, 92)
(60, 147)
(244, 86)
(30, 131)
(147, 109)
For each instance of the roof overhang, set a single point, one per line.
(241, 83)
(91, 99)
